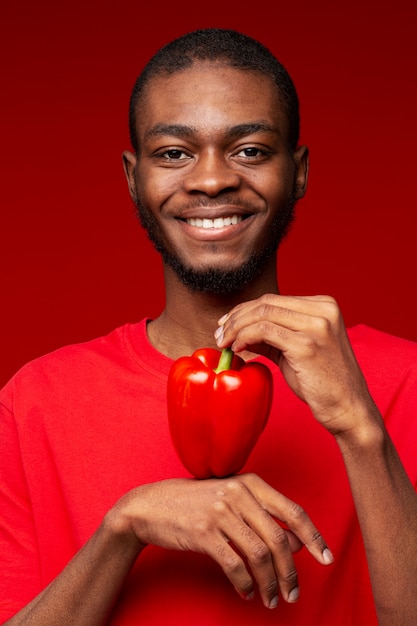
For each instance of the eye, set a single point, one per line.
(174, 154)
(251, 152)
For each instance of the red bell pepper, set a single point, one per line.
(218, 405)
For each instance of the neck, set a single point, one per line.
(189, 319)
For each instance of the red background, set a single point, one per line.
(75, 263)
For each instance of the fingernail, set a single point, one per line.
(222, 319)
(327, 556)
(274, 603)
(294, 595)
(250, 595)
(219, 334)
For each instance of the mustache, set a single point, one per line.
(220, 200)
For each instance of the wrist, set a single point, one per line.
(366, 430)
(118, 529)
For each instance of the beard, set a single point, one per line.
(212, 280)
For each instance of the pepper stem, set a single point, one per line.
(225, 361)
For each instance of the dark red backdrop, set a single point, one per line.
(74, 263)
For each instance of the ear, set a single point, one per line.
(129, 165)
(302, 165)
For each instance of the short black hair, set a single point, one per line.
(212, 44)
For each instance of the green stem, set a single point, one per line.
(225, 361)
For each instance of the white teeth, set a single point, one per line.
(219, 222)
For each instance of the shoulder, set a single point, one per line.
(389, 364)
(76, 363)
(375, 347)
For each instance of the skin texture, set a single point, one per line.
(212, 142)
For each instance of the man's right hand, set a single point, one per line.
(233, 520)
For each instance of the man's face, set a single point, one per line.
(214, 180)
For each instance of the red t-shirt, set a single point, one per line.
(83, 425)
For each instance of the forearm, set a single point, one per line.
(86, 590)
(386, 504)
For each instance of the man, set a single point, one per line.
(100, 522)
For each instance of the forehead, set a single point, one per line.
(210, 94)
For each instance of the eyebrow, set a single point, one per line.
(233, 132)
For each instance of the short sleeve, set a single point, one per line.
(19, 563)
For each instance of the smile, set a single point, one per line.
(218, 222)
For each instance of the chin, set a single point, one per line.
(218, 280)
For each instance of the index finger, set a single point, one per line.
(304, 304)
(292, 515)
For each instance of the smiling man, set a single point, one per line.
(100, 523)
(226, 189)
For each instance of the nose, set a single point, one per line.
(211, 175)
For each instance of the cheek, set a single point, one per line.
(275, 183)
(285, 189)
(154, 189)
(277, 194)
